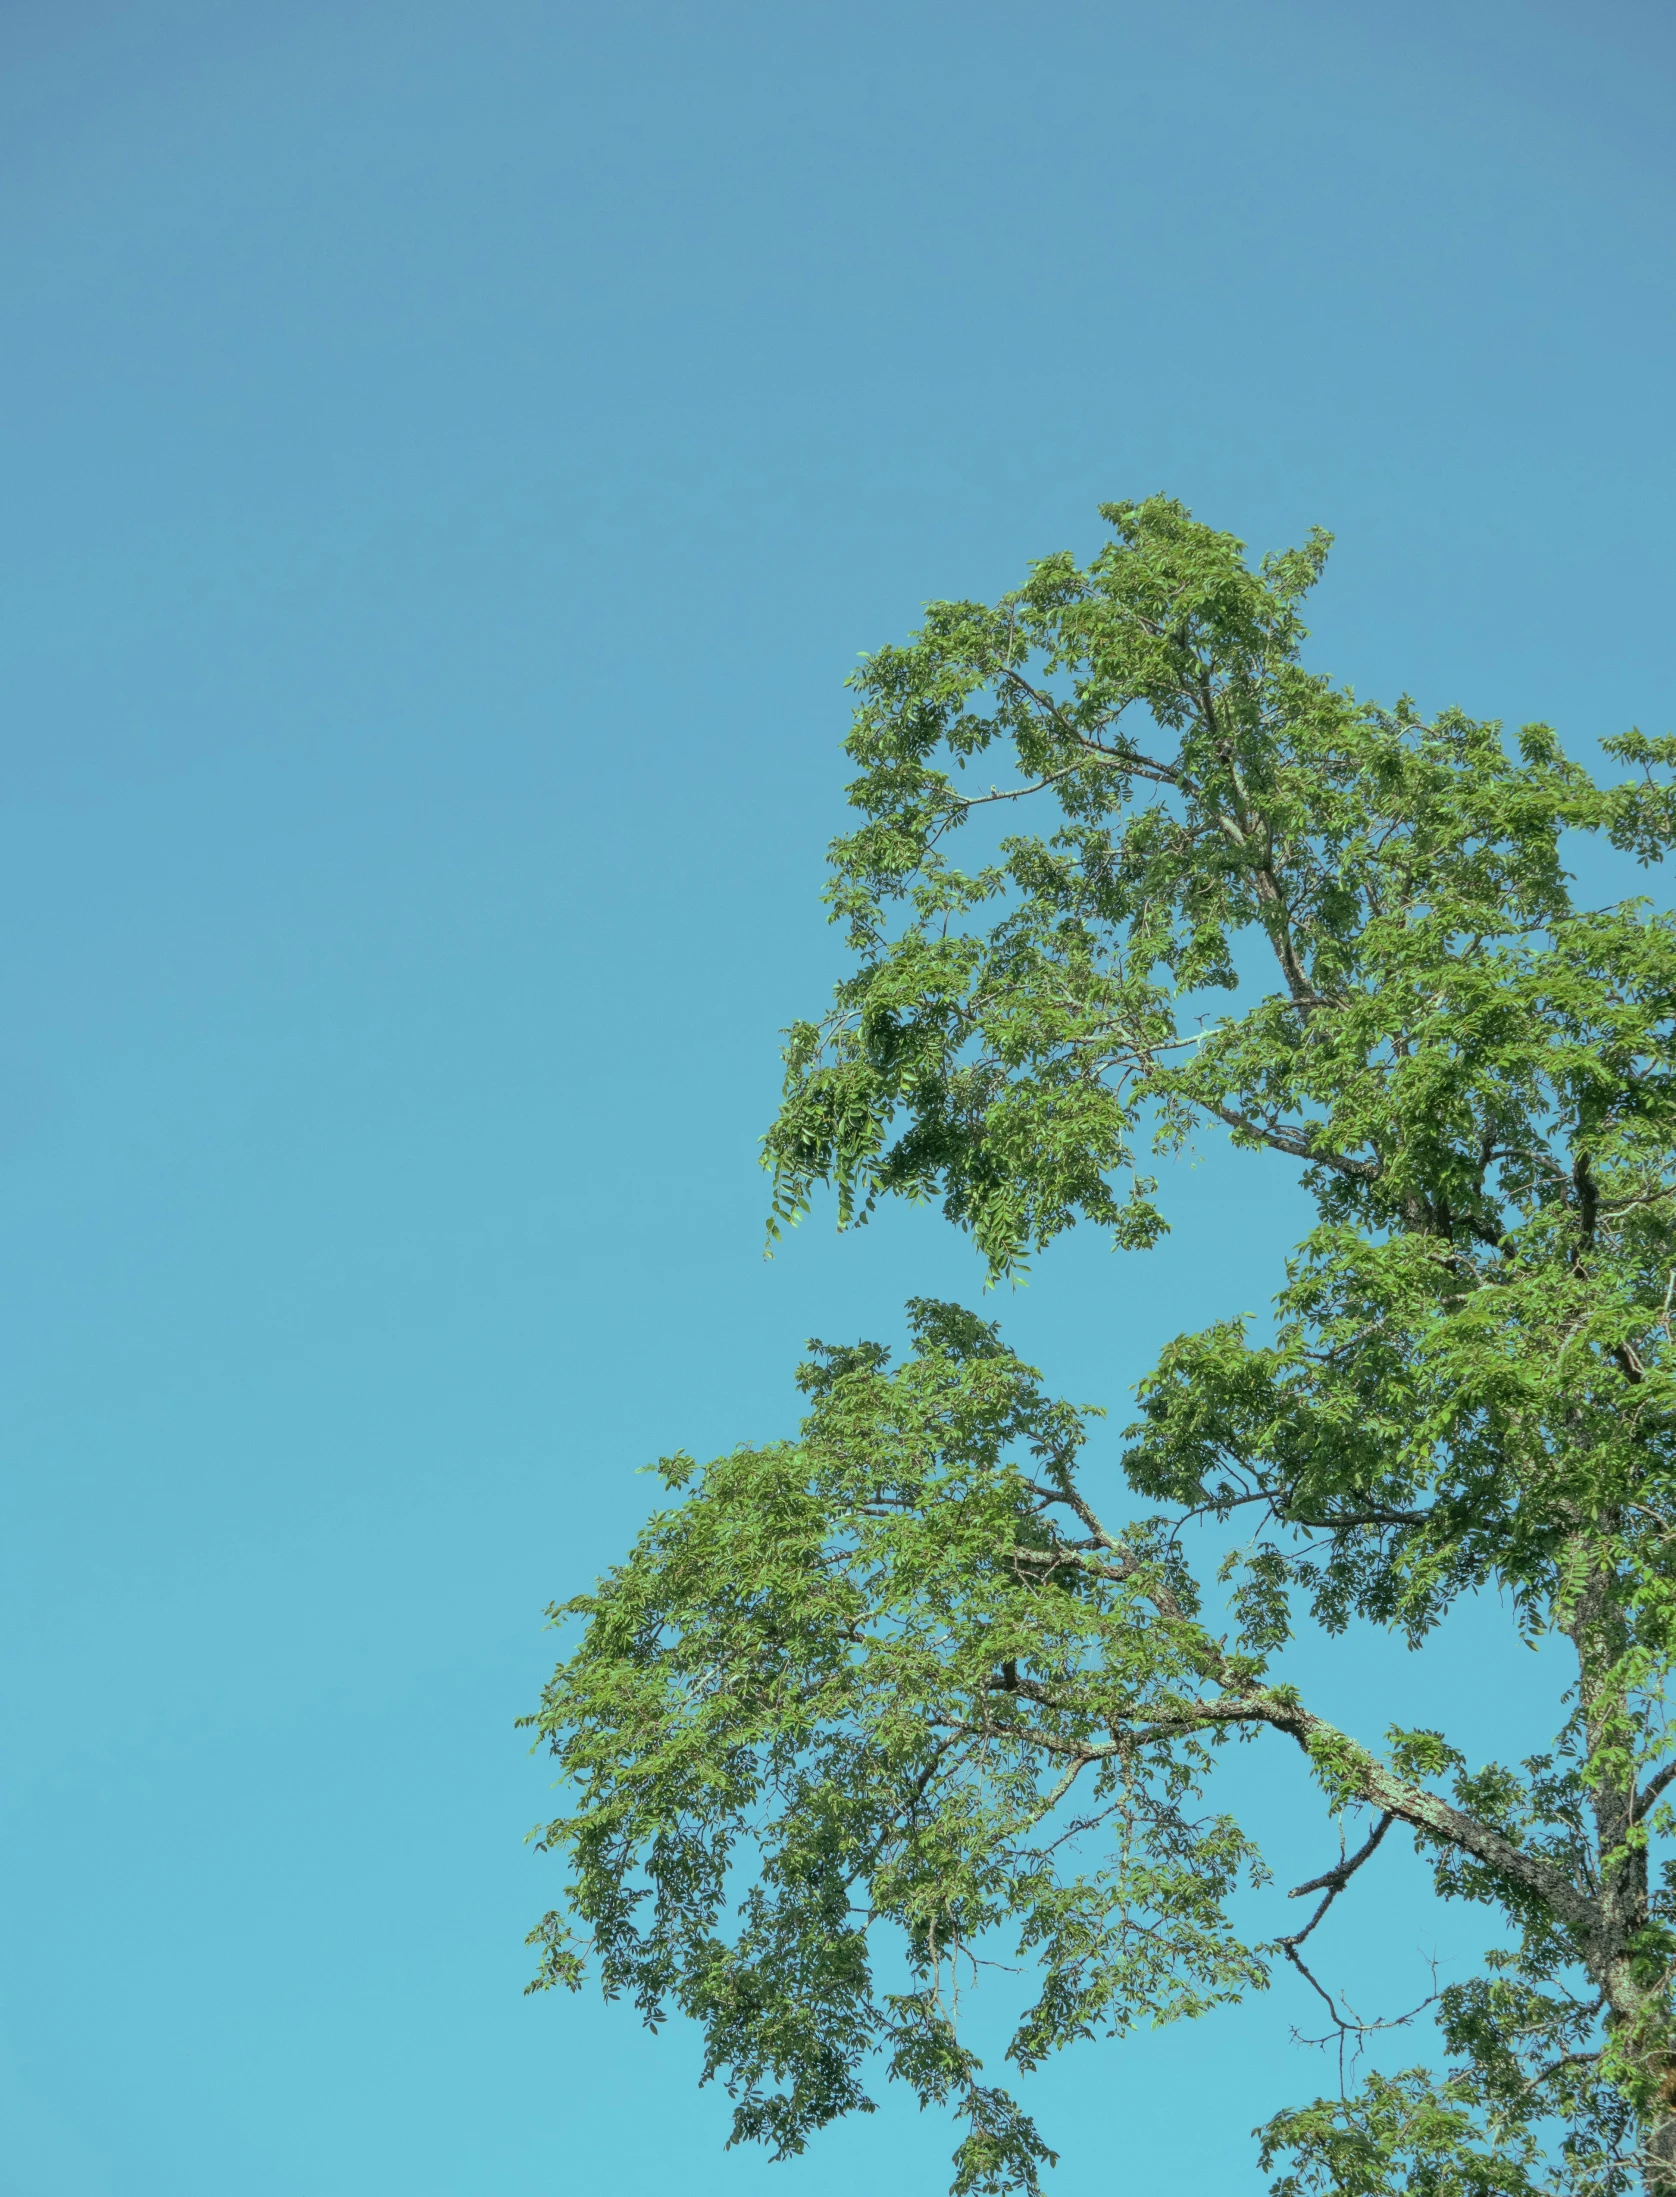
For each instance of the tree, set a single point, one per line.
(861, 1705)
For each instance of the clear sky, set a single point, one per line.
(452, 455)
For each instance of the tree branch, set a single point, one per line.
(1120, 758)
(1333, 1883)
(1361, 1776)
(1291, 1142)
(1015, 793)
(1350, 1770)
(1651, 1791)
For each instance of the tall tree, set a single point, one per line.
(862, 1706)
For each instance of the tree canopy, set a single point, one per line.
(862, 1705)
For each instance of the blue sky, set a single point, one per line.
(451, 458)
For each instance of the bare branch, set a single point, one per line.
(1335, 1880)
(1333, 1883)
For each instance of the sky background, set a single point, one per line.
(450, 457)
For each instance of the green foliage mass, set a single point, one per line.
(867, 1709)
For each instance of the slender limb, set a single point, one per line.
(1566, 2059)
(1352, 2025)
(1651, 1791)
(1294, 1146)
(1015, 793)
(1320, 1990)
(1331, 1884)
(1124, 759)
(1333, 1881)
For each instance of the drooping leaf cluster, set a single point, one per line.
(877, 1670)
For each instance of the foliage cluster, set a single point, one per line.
(897, 1681)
